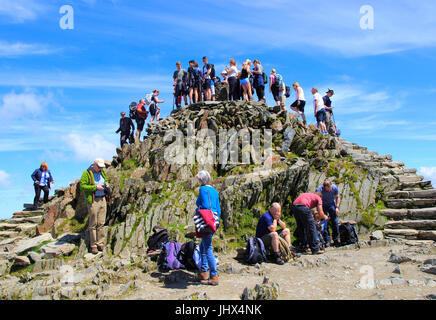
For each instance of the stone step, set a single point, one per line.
(392, 164)
(402, 194)
(20, 227)
(410, 214)
(8, 234)
(412, 224)
(414, 203)
(21, 214)
(425, 184)
(383, 158)
(361, 157)
(409, 178)
(35, 220)
(411, 234)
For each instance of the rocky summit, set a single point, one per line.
(256, 155)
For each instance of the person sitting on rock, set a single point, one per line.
(300, 102)
(306, 232)
(266, 230)
(154, 108)
(208, 198)
(42, 179)
(125, 125)
(331, 201)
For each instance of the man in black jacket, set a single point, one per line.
(125, 124)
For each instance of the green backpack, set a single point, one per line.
(265, 78)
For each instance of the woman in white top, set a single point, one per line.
(300, 102)
(232, 74)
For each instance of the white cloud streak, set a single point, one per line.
(20, 11)
(18, 49)
(5, 179)
(89, 147)
(428, 173)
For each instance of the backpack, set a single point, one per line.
(288, 92)
(156, 240)
(197, 75)
(132, 110)
(279, 81)
(188, 257)
(148, 98)
(348, 234)
(265, 78)
(255, 251)
(168, 257)
(212, 71)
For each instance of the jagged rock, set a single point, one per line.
(196, 296)
(28, 244)
(53, 250)
(264, 291)
(34, 256)
(396, 258)
(21, 262)
(376, 235)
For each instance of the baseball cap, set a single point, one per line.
(330, 91)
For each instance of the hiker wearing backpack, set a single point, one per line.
(208, 74)
(319, 110)
(154, 108)
(191, 80)
(180, 77)
(331, 200)
(306, 232)
(274, 87)
(94, 184)
(208, 198)
(232, 74)
(300, 102)
(258, 82)
(266, 230)
(125, 125)
(330, 124)
(245, 81)
(141, 116)
(42, 179)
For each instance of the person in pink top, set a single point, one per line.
(306, 233)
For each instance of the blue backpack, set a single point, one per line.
(255, 251)
(168, 257)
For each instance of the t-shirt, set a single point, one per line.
(328, 198)
(264, 222)
(205, 68)
(233, 72)
(310, 200)
(301, 93)
(140, 110)
(327, 102)
(98, 179)
(318, 97)
(44, 178)
(179, 75)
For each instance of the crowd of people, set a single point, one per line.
(197, 84)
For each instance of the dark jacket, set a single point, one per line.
(37, 175)
(327, 103)
(125, 125)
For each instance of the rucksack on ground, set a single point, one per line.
(132, 110)
(348, 234)
(168, 257)
(288, 92)
(279, 80)
(265, 78)
(158, 238)
(255, 251)
(189, 255)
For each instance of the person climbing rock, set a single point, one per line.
(300, 101)
(125, 125)
(42, 179)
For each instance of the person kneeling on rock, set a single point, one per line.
(267, 230)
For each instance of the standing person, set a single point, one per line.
(258, 83)
(208, 198)
(191, 80)
(300, 102)
(93, 183)
(42, 179)
(306, 233)
(331, 200)
(330, 125)
(141, 116)
(282, 94)
(197, 83)
(154, 108)
(244, 81)
(180, 77)
(273, 87)
(232, 74)
(125, 125)
(207, 68)
(319, 110)
(266, 230)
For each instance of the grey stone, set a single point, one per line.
(398, 280)
(28, 244)
(376, 235)
(386, 282)
(397, 270)
(395, 258)
(53, 250)
(21, 262)
(34, 256)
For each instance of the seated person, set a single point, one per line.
(267, 230)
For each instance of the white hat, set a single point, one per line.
(100, 162)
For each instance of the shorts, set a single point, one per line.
(299, 107)
(275, 92)
(244, 82)
(320, 115)
(140, 121)
(153, 109)
(206, 84)
(267, 239)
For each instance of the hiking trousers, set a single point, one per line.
(97, 218)
(333, 222)
(207, 257)
(330, 125)
(306, 227)
(38, 189)
(123, 138)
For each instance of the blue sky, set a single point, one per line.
(61, 91)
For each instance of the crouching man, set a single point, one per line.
(94, 183)
(267, 230)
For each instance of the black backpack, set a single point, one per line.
(186, 255)
(288, 92)
(212, 71)
(156, 240)
(348, 234)
(132, 110)
(255, 251)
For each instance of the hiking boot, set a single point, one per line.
(100, 247)
(278, 258)
(213, 281)
(318, 252)
(93, 250)
(203, 277)
(336, 244)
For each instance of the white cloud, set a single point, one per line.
(429, 173)
(89, 147)
(21, 49)
(5, 179)
(29, 103)
(21, 10)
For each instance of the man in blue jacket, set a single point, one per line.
(42, 179)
